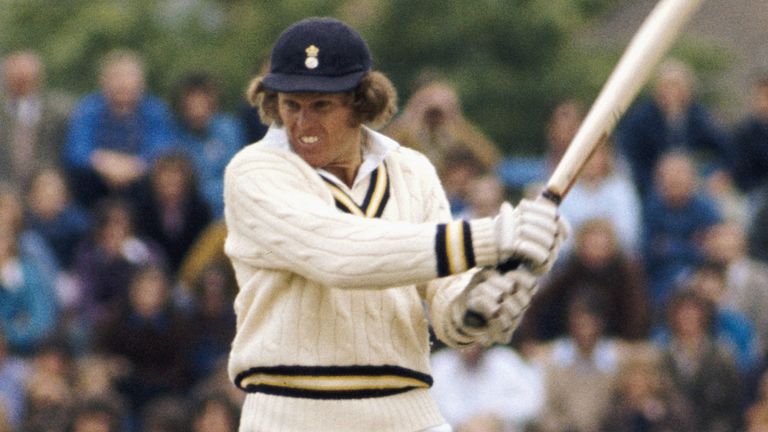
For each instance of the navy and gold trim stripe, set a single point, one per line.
(375, 200)
(453, 248)
(332, 382)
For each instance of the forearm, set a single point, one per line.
(281, 216)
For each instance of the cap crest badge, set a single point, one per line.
(311, 62)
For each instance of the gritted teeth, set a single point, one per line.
(309, 139)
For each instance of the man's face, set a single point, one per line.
(123, 86)
(320, 129)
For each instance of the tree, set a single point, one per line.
(511, 59)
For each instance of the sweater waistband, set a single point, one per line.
(332, 382)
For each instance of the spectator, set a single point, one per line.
(31, 243)
(432, 123)
(677, 217)
(485, 194)
(703, 371)
(173, 213)
(751, 142)
(210, 136)
(757, 236)
(50, 393)
(580, 370)
(603, 192)
(756, 415)
(207, 249)
(212, 320)
(562, 125)
(96, 415)
(13, 377)
(746, 283)
(107, 258)
(52, 213)
(502, 384)
(598, 264)
(27, 303)
(644, 399)
(5, 424)
(732, 328)
(215, 413)
(460, 168)
(116, 133)
(165, 414)
(33, 120)
(672, 120)
(152, 336)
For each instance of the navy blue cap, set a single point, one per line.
(321, 55)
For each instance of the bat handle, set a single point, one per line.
(474, 319)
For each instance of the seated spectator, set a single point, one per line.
(597, 263)
(756, 414)
(501, 384)
(702, 369)
(751, 142)
(432, 122)
(214, 413)
(14, 372)
(580, 370)
(485, 194)
(96, 415)
(604, 192)
(31, 243)
(52, 213)
(746, 279)
(671, 120)
(28, 310)
(212, 320)
(152, 337)
(645, 400)
(168, 413)
(460, 168)
(173, 213)
(562, 125)
(5, 424)
(207, 249)
(733, 329)
(757, 236)
(116, 133)
(677, 216)
(33, 118)
(50, 392)
(107, 258)
(209, 136)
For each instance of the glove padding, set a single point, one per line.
(530, 233)
(500, 298)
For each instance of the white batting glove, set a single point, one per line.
(498, 300)
(530, 233)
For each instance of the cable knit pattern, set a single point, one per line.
(323, 289)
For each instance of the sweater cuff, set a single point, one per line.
(461, 245)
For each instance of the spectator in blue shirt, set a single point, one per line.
(116, 133)
(671, 120)
(676, 218)
(209, 136)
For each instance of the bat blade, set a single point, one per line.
(647, 47)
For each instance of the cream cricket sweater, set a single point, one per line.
(331, 329)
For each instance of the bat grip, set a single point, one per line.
(474, 319)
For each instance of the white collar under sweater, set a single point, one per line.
(376, 148)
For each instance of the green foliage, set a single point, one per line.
(510, 59)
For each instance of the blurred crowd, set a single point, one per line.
(116, 297)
